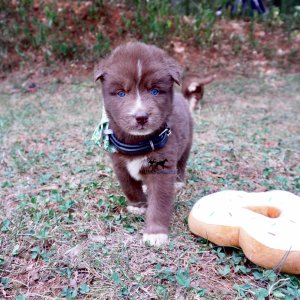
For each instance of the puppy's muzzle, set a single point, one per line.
(141, 118)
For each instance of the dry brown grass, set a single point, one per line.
(64, 229)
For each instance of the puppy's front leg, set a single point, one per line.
(160, 189)
(132, 189)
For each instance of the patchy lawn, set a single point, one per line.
(64, 228)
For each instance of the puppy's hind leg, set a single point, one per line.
(181, 167)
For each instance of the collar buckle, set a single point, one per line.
(167, 131)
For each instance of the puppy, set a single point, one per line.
(150, 127)
(193, 88)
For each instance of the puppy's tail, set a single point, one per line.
(193, 88)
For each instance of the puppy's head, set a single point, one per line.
(137, 85)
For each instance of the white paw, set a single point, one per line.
(179, 185)
(157, 239)
(144, 188)
(136, 210)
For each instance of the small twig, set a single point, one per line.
(276, 283)
(103, 174)
(281, 263)
(22, 156)
(37, 190)
(20, 282)
(40, 296)
(212, 174)
(145, 290)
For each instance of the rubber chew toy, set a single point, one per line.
(265, 225)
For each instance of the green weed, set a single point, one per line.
(102, 45)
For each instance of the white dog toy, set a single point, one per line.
(265, 225)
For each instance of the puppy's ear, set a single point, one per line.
(99, 71)
(174, 69)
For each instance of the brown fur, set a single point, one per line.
(193, 88)
(120, 71)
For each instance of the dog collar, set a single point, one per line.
(144, 147)
(105, 138)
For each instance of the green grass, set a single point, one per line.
(64, 229)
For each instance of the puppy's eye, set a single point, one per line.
(121, 93)
(154, 92)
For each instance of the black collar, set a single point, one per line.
(144, 147)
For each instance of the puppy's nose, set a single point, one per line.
(141, 118)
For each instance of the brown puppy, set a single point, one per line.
(150, 126)
(193, 88)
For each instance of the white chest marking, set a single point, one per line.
(134, 167)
